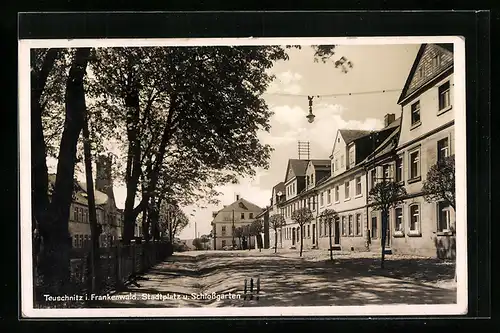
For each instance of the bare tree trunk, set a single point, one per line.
(94, 233)
(56, 239)
(275, 240)
(383, 237)
(301, 241)
(39, 171)
(330, 236)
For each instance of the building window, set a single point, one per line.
(398, 219)
(414, 164)
(444, 216)
(321, 199)
(250, 215)
(341, 161)
(387, 172)
(325, 226)
(399, 169)
(336, 164)
(444, 95)
(75, 214)
(242, 216)
(337, 193)
(414, 218)
(75, 241)
(415, 113)
(312, 180)
(80, 240)
(351, 226)
(293, 188)
(223, 243)
(443, 149)
(223, 231)
(80, 215)
(308, 231)
(314, 203)
(344, 226)
(358, 185)
(358, 225)
(329, 196)
(374, 226)
(347, 189)
(373, 178)
(351, 157)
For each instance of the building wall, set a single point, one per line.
(339, 156)
(224, 219)
(435, 125)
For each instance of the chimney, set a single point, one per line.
(389, 118)
(104, 180)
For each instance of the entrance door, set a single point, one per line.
(336, 232)
(293, 236)
(314, 233)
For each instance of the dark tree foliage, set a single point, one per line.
(384, 196)
(276, 221)
(302, 216)
(440, 182)
(329, 216)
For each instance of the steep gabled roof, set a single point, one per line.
(80, 189)
(442, 48)
(241, 205)
(321, 163)
(351, 135)
(280, 187)
(297, 167)
(388, 145)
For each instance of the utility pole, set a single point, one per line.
(232, 230)
(195, 231)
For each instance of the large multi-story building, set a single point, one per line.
(238, 214)
(402, 151)
(426, 136)
(109, 217)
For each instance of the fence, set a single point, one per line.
(116, 265)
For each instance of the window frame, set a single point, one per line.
(440, 148)
(360, 185)
(411, 152)
(401, 230)
(329, 196)
(399, 168)
(347, 190)
(447, 208)
(223, 230)
(413, 122)
(337, 193)
(344, 226)
(442, 93)
(350, 227)
(374, 234)
(417, 231)
(359, 225)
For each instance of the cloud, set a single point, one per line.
(286, 82)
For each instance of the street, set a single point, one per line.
(217, 279)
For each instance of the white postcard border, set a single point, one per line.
(26, 287)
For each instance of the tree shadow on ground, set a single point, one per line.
(299, 282)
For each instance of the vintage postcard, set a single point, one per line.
(243, 177)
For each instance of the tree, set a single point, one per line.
(53, 217)
(328, 216)
(256, 229)
(302, 216)
(440, 182)
(238, 233)
(384, 196)
(172, 220)
(197, 243)
(205, 239)
(277, 221)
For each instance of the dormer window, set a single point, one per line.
(436, 60)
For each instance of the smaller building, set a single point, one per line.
(240, 213)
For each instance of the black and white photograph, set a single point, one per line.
(243, 177)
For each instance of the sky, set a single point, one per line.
(375, 68)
